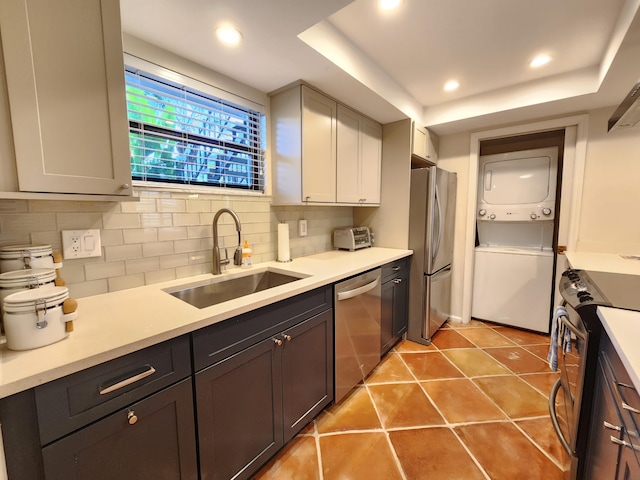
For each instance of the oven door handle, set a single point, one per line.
(554, 416)
(566, 323)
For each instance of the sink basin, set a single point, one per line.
(218, 291)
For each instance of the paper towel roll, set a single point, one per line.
(284, 255)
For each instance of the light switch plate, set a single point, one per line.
(302, 228)
(81, 244)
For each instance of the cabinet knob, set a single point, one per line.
(286, 337)
(277, 341)
(132, 418)
(125, 186)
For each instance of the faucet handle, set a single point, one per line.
(225, 261)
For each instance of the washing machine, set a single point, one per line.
(515, 219)
(513, 286)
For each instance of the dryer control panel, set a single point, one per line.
(511, 213)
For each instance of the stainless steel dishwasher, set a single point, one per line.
(357, 330)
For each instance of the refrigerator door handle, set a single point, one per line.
(437, 234)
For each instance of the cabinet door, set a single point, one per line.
(602, 456)
(359, 158)
(400, 304)
(318, 147)
(628, 469)
(239, 409)
(65, 78)
(348, 155)
(307, 371)
(160, 445)
(370, 162)
(387, 338)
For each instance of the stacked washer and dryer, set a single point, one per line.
(514, 257)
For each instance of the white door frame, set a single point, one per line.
(575, 151)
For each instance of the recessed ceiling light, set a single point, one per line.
(388, 4)
(539, 61)
(228, 35)
(451, 85)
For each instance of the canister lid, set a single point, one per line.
(20, 251)
(27, 300)
(27, 278)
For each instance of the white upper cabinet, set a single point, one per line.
(319, 158)
(318, 147)
(423, 145)
(65, 79)
(359, 158)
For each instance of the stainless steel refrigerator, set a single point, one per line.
(431, 232)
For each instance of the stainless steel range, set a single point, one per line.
(578, 343)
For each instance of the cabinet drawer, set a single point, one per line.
(72, 402)
(394, 268)
(226, 338)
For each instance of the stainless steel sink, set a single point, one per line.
(217, 291)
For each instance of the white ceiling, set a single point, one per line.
(390, 66)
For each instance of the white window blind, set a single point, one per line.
(179, 135)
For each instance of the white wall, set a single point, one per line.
(609, 221)
(611, 193)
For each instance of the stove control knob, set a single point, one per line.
(586, 298)
(533, 216)
(492, 216)
(546, 211)
(482, 212)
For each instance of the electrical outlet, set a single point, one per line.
(81, 244)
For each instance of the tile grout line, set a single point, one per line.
(386, 434)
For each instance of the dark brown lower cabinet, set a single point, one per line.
(152, 439)
(251, 403)
(395, 303)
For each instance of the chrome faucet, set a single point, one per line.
(237, 256)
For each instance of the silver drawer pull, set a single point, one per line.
(611, 426)
(395, 269)
(629, 408)
(397, 281)
(127, 381)
(624, 443)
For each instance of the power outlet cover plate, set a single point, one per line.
(81, 244)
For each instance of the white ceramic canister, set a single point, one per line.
(21, 257)
(13, 282)
(34, 318)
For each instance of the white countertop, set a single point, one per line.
(603, 262)
(623, 328)
(118, 323)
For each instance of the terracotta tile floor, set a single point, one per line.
(472, 405)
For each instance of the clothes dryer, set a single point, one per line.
(513, 286)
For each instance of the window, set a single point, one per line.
(179, 135)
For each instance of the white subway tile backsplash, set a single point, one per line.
(140, 235)
(104, 270)
(111, 237)
(121, 220)
(156, 219)
(141, 265)
(14, 206)
(164, 236)
(86, 289)
(172, 261)
(172, 233)
(122, 252)
(155, 249)
(159, 276)
(128, 281)
(171, 205)
(184, 219)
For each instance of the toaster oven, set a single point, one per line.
(352, 238)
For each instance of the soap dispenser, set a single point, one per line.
(247, 253)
